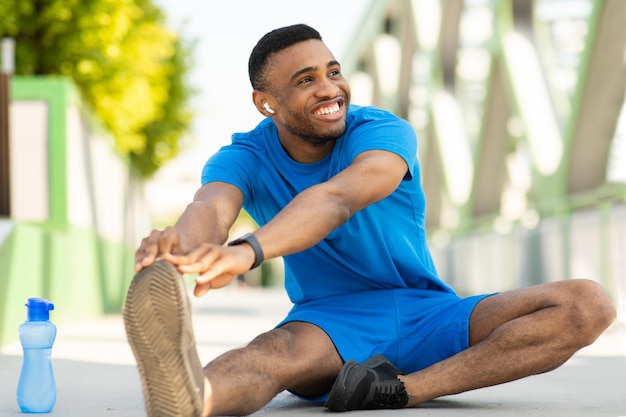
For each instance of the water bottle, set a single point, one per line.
(36, 389)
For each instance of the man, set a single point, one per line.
(336, 191)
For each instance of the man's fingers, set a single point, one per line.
(159, 243)
(215, 265)
(168, 241)
(195, 261)
(204, 283)
(148, 250)
(201, 289)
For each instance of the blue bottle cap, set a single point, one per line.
(38, 309)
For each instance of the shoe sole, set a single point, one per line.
(157, 317)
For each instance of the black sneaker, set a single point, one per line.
(368, 386)
(157, 316)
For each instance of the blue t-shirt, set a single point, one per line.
(381, 246)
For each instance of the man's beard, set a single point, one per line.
(306, 131)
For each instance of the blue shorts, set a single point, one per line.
(413, 328)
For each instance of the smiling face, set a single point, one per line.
(309, 95)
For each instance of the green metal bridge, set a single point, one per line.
(519, 110)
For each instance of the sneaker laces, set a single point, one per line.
(389, 395)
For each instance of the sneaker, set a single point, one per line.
(157, 316)
(368, 386)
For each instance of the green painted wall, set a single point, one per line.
(82, 274)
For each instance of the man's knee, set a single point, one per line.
(275, 343)
(302, 352)
(589, 310)
(294, 340)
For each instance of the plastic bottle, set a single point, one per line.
(36, 389)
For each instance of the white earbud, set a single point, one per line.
(268, 108)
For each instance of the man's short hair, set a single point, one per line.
(275, 41)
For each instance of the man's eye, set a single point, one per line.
(306, 80)
(335, 72)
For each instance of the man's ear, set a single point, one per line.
(261, 101)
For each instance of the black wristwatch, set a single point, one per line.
(250, 240)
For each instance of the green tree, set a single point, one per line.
(129, 67)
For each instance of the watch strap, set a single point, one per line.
(251, 240)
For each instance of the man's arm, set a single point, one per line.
(210, 216)
(196, 246)
(308, 218)
(206, 220)
(317, 211)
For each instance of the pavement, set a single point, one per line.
(96, 373)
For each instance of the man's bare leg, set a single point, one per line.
(297, 356)
(516, 334)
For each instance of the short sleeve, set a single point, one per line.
(375, 129)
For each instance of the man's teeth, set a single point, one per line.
(328, 110)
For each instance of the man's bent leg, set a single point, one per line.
(517, 334)
(298, 356)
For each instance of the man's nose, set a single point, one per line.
(327, 88)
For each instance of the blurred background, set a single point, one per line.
(109, 109)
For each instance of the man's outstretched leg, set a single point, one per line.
(157, 316)
(517, 334)
(298, 356)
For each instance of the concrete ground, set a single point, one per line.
(96, 374)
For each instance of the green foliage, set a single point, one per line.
(128, 66)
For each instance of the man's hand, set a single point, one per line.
(155, 246)
(215, 265)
